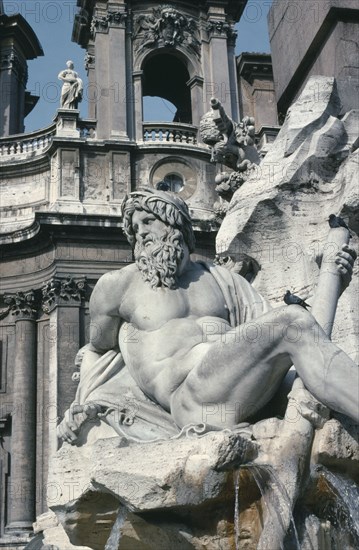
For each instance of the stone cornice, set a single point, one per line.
(16, 29)
(234, 8)
(252, 65)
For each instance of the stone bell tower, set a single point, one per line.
(18, 44)
(181, 51)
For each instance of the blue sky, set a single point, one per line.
(52, 21)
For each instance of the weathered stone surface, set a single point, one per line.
(337, 445)
(149, 477)
(277, 221)
(53, 533)
(180, 493)
(171, 484)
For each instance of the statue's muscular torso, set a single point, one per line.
(164, 332)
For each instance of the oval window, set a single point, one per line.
(171, 182)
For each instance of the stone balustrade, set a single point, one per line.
(22, 145)
(171, 132)
(87, 128)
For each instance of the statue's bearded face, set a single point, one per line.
(158, 249)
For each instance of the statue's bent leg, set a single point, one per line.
(326, 370)
(244, 367)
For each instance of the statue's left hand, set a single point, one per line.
(74, 417)
(67, 429)
(345, 259)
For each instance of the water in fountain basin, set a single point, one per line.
(345, 512)
(236, 508)
(276, 500)
(113, 540)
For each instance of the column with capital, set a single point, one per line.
(223, 84)
(62, 301)
(22, 306)
(110, 48)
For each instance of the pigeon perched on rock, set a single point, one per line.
(291, 299)
(337, 221)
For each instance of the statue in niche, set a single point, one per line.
(232, 144)
(167, 26)
(72, 88)
(178, 345)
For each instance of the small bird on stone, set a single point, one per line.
(291, 299)
(337, 221)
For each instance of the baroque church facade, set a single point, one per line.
(62, 190)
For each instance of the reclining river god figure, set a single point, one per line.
(177, 343)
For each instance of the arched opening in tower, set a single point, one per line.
(165, 78)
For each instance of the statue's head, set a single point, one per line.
(159, 250)
(70, 64)
(166, 206)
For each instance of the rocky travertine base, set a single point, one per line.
(181, 494)
(174, 494)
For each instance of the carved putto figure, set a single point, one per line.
(72, 88)
(227, 138)
(232, 144)
(169, 335)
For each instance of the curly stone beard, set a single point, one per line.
(159, 260)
